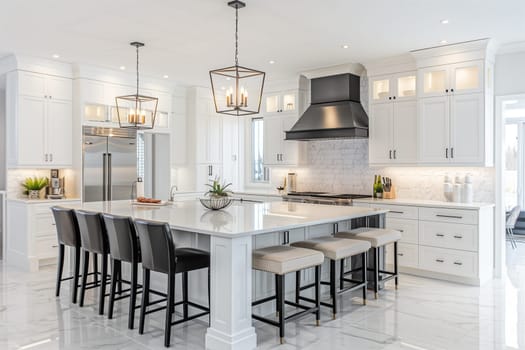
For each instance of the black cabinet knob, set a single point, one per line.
(451, 90)
(446, 90)
(390, 98)
(394, 97)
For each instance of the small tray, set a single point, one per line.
(161, 204)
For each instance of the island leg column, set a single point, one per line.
(231, 295)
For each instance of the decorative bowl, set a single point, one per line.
(216, 203)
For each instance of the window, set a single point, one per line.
(514, 148)
(259, 171)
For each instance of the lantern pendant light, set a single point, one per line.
(231, 86)
(136, 111)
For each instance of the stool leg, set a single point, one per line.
(103, 282)
(76, 276)
(113, 287)
(364, 272)
(395, 263)
(281, 294)
(60, 268)
(95, 268)
(185, 295)
(376, 272)
(169, 308)
(342, 274)
(209, 296)
(318, 295)
(85, 269)
(277, 296)
(333, 290)
(145, 299)
(297, 286)
(133, 295)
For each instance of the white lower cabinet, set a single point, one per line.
(31, 233)
(445, 242)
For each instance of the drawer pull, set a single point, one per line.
(440, 235)
(400, 254)
(449, 216)
(457, 236)
(400, 230)
(440, 260)
(54, 246)
(458, 263)
(396, 212)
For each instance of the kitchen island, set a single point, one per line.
(231, 235)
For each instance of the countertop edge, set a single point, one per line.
(426, 203)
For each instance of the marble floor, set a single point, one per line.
(422, 314)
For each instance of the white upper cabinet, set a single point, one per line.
(277, 151)
(434, 129)
(393, 133)
(467, 129)
(399, 86)
(39, 120)
(458, 78)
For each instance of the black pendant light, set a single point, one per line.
(136, 111)
(231, 86)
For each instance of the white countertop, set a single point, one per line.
(42, 201)
(239, 219)
(424, 203)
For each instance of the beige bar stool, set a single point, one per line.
(337, 249)
(378, 237)
(281, 260)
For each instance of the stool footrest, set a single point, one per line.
(264, 300)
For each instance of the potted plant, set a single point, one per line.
(217, 195)
(33, 186)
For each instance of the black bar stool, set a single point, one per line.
(67, 235)
(94, 240)
(123, 247)
(159, 254)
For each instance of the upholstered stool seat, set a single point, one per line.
(377, 237)
(335, 249)
(281, 260)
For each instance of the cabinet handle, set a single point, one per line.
(440, 235)
(209, 170)
(400, 254)
(50, 157)
(458, 263)
(452, 152)
(458, 237)
(394, 154)
(390, 154)
(400, 230)
(440, 260)
(54, 246)
(396, 212)
(46, 158)
(449, 216)
(446, 152)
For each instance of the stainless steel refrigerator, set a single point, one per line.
(109, 163)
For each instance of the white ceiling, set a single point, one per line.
(185, 39)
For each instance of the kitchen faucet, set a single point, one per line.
(172, 192)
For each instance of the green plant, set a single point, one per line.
(217, 189)
(34, 183)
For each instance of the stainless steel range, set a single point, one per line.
(323, 198)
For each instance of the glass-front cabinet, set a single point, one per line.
(281, 102)
(459, 78)
(393, 87)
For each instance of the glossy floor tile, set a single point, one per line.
(422, 314)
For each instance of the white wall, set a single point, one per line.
(2, 141)
(510, 74)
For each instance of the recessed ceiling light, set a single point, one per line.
(345, 46)
(444, 21)
(442, 42)
(56, 55)
(122, 67)
(271, 62)
(166, 76)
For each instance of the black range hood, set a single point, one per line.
(335, 113)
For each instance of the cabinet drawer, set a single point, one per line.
(44, 226)
(398, 211)
(445, 235)
(460, 216)
(407, 254)
(46, 248)
(453, 262)
(407, 227)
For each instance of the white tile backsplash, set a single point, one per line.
(15, 177)
(341, 166)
